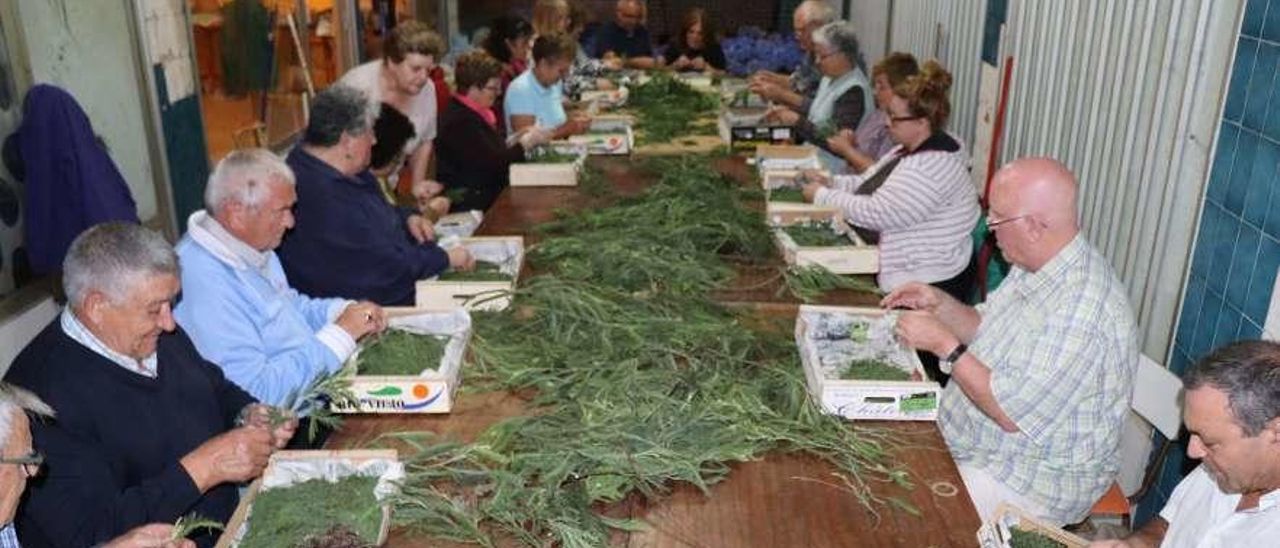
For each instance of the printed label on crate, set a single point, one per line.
(415, 396)
(870, 404)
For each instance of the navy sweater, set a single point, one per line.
(348, 242)
(112, 454)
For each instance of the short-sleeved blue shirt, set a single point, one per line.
(527, 97)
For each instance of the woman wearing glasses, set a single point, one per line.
(473, 158)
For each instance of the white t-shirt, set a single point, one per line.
(1200, 515)
(422, 112)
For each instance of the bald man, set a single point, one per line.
(626, 37)
(1041, 373)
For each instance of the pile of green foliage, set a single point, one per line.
(547, 155)
(667, 107)
(1019, 538)
(640, 381)
(874, 370)
(816, 235)
(484, 271)
(288, 516)
(787, 194)
(400, 352)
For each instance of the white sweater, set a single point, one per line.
(925, 212)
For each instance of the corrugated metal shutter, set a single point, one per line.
(1127, 94)
(951, 32)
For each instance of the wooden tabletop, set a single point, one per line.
(783, 500)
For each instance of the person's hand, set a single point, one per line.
(533, 136)
(460, 259)
(578, 124)
(913, 296)
(843, 142)
(605, 84)
(435, 208)
(698, 63)
(281, 422)
(765, 89)
(155, 535)
(421, 228)
(362, 318)
(681, 63)
(811, 190)
(612, 62)
(235, 456)
(782, 115)
(428, 187)
(924, 331)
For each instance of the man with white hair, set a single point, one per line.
(238, 307)
(1041, 373)
(798, 89)
(147, 430)
(19, 462)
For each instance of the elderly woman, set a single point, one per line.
(347, 240)
(917, 200)
(473, 156)
(844, 95)
(536, 98)
(696, 47)
(797, 89)
(402, 78)
(871, 141)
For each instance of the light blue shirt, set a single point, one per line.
(526, 97)
(242, 315)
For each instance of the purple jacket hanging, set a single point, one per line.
(71, 182)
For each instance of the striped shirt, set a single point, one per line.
(925, 212)
(148, 367)
(1062, 347)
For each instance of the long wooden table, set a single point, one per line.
(783, 500)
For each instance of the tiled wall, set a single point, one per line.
(1237, 250)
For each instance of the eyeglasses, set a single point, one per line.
(494, 89)
(991, 225)
(30, 463)
(896, 119)
(823, 56)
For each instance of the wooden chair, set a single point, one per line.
(1155, 400)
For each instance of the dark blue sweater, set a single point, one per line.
(347, 240)
(112, 455)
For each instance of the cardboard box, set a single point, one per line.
(743, 128)
(609, 135)
(461, 224)
(284, 464)
(794, 157)
(433, 389)
(818, 330)
(995, 532)
(533, 173)
(605, 99)
(858, 257)
(788, 213)
(507, 251)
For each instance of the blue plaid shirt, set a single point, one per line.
(1061, 344)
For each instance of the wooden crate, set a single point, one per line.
(461, 224)
(915, 400)
(240, 519)
(858, 257)
(475, 295)
(531, 174)
(610, 135)
(431, 391)
(789, 213)
(995, 532)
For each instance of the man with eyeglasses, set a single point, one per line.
(1041, 373)
(19, 462)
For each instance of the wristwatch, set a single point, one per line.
(947, 362)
